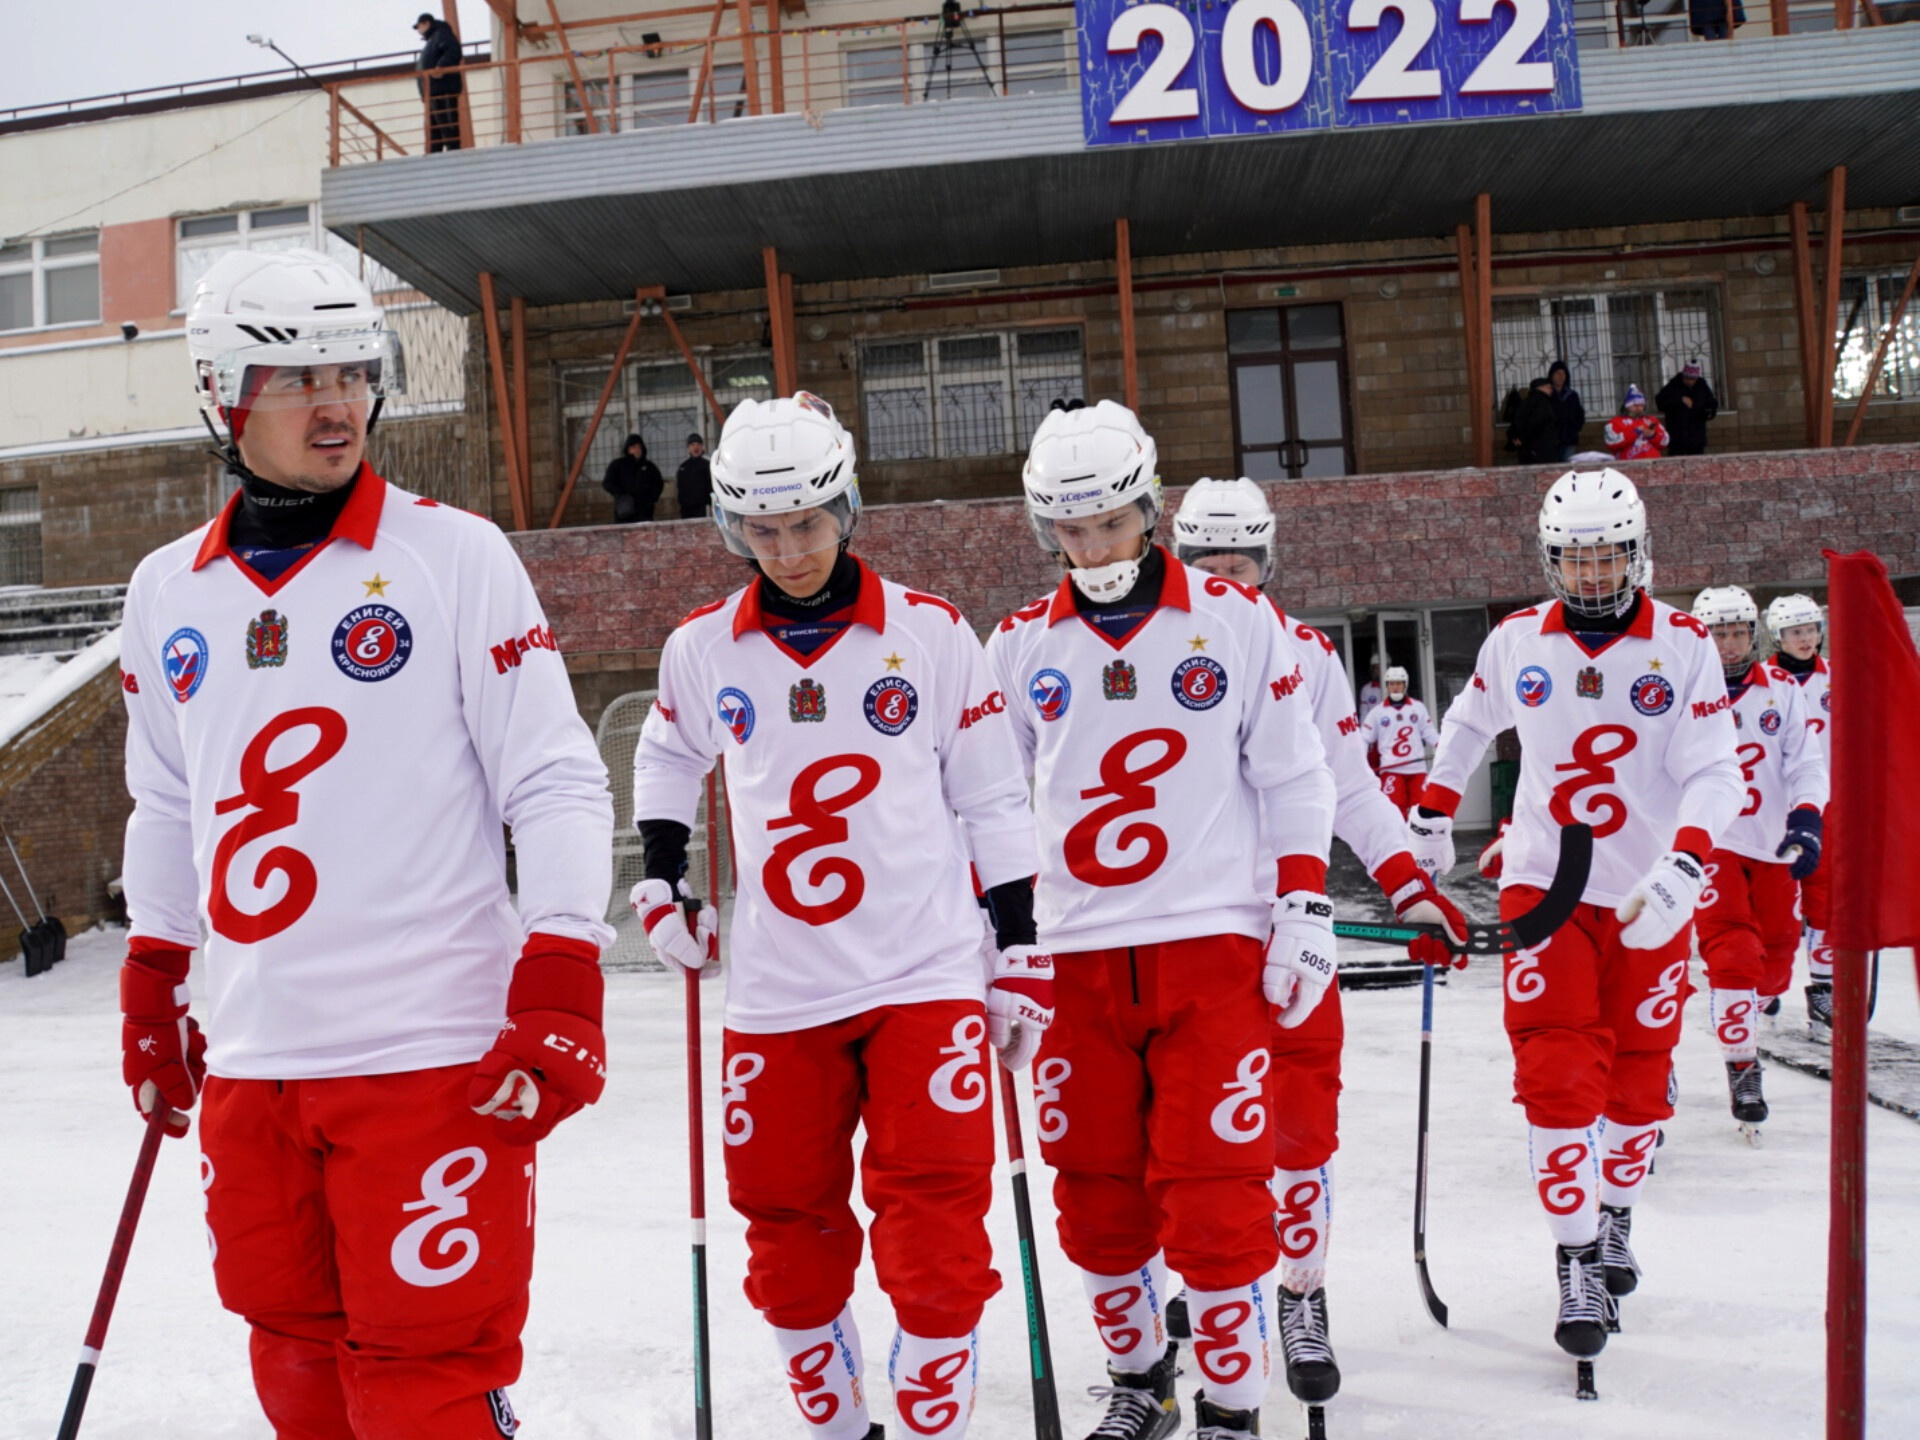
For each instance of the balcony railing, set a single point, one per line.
(592, 78)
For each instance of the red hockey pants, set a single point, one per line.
(1404, 790)
(1814, 892)
(1306, 1086)
(379, 1240)
(1748, 933)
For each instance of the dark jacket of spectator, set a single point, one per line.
(634, 482)
(1567, 407)
(1534, 435)
(1708, 18)
(442, 50)
(1686, 424)
(693, 482)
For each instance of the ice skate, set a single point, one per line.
(1585, 1305)
(1313, 1375)
(1820, 1010)
(1140, 1406)
(1616, 1255)
(1177, 1326)
(1749, 1105)
(1770, 1006)
(1215, 1422)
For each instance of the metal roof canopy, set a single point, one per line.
(1756, 125)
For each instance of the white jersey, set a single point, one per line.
(1633, 738)
(1781, 763)
(1152, 758)
(321, 766)
(861, 777)
(1816, 693)
(1370, 695)
(1400, 733)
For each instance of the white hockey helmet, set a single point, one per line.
(258, 312)
(1086, 462)
(1396, 675)
(1584, 514)
(1725, 605)
(776, 458)
(1787, 611)
(1225, 517)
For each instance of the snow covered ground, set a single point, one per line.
(1724, 1338)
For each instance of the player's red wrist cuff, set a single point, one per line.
(1694, 841)
(558, 973)
(161, 955)
(1302, 872)
(1440, 798)
(1395, 873)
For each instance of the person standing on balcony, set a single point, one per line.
(635, 483)
(1708, 18)
(440, 51)
(1534, 435)
(1566, 405)
(693, 482)
(1633, 434)
(1687, 403)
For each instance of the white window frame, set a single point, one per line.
(1009, 372)
(39, 265)
(247, 234)
(1899, 377)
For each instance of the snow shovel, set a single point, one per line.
(52, 933)
(33, 944)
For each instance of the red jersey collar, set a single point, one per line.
(358, 521)
(1173, 591)
(869, 607)
(1640, 629)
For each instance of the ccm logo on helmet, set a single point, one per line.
(994, 704)
(507, 654)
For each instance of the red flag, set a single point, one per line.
(1873, 831)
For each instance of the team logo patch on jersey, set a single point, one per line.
(1119, 681)
(267, 641)
(1533, 685)
(1050, 693)
(736, 713)
(1199, 682)
(1826, 700)
(1770, 722)
(184, 660)
(807, 701)
(1652, 695)
(373, 642)
(1589, 684)
(891, 705)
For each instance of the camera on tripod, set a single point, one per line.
(954, 38)
(951, 15)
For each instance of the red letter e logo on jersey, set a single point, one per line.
(275, 806)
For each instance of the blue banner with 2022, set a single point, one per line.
(1191, 69)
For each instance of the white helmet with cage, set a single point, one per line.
(783, 478)
(1787, 611)
(290, 324)
(1225, 517)
(1592, 516)
(1725, 605)
(1092, 482)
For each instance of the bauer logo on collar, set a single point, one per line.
(184, 660)
(1199, 682)
(1652, 695)
(267, 641)
(1533, 685)
(1051, 693)
(1119, 682)
(736, 713)
(1589, 684)
(891, 705)
(807, 700)
(1770, 722)
(373, 642)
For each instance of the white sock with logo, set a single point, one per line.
(933, 1383)
(1230, 1343)
(826, 1373)
(1819, 956)
(1303, 1202)
(1626, 1155)
(1734, 1013)
(1127, 1313)
(1566, 1176)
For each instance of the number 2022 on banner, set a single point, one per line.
(1199, 68)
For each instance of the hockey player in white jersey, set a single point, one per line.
(868, 755)
(337, 693)
(1226, 528)
(1748, 930)
(1623, 721)
(1398, 731)
(1161, 708)
(1797, 627)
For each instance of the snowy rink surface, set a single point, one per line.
(1724, 1338)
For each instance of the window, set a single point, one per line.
(1866, 305)
(203, 239)
(956, 395)
(1029, 62)
(55, 281)
(20, 537)
(1289, 372)
(1609, 341)
(575, 121)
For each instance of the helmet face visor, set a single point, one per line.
(1249, 564)
(789, 534)
(1101, 539)
(348, 369)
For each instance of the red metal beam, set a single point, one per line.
(686, 353)
(517, 312)
(1483, 326)
(510, 446)
(593, 425)
(783, 381)
(1123, 266)
(1830, 301)
(1470, 333)
(573, 68)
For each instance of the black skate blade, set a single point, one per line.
(1583, 1381)
(1316, 1422)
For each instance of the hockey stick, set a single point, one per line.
(1046, 1400)
(116, 1267)
(1436, 1307)
(697, 1153)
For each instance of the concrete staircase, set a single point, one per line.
(57, 622)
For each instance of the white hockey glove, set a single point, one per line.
(1662, 901)
(660, 910)
(1300, 955)
(1019, 1002)
(1430, 838)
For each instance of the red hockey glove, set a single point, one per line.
(163, 1055)
(549, 1058)
(1493, 859)
(1019, 1002)
(1418, 902)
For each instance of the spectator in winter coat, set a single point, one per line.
(693, 481)
(441, 50)
(1633, 434)
(1708, 18)
(1534, 435)
(635, 483)
(1687, 403)
(1566, 405)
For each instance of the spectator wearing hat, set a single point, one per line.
(1567, 408)
(635, 483)
(693, 481)
(1633, 434)
(440, 51)
(1687, 403)
(1534, 435)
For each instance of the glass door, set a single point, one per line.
(1289, 374)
